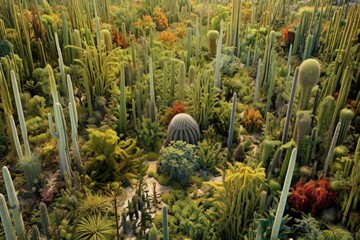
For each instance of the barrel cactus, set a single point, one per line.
(183, 127)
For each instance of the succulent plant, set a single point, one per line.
(184, 128)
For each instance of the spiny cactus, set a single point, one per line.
(31, 166)
(346, 116)
(45, 221)
(183, 127)
(212, 36)
(302, 126)
(309, 73)
(326, 110)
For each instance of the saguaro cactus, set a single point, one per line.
(165, 223)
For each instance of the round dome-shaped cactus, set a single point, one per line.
(183, 127)
(309, 73)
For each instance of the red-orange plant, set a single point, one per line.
(312, 196)
(166, 37)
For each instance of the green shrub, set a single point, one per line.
(178, 161)
(209, 153)
(149, 136)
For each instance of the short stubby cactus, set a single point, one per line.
(309, 73)
(212, 36)
(183, 127)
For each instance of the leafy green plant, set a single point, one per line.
(209, 153)
(307, 228)
(178, 161)
(267, 221)
(149, 135)
(94, 204)
(337, 233)
(109, 158)
(96, 227)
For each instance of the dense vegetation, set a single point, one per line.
(180, 119)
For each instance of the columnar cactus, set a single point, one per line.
(165, 223)
(20, 113)
(5, 219)
(122, 116)
(302, 126)
(106, 35)
(331, 148)
(283, 197)
(212, 36)
(182, 76)
(232, 120)
(309, 73)
(14, 204)
(218, 56)
(346, 116)
(183, 127)
(325, 112)
(45, 222)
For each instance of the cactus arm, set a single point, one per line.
(52, 129)
(14, 204)
(283, 197)
(16, 137)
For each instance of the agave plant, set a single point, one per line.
(96, 227)
(95, 204)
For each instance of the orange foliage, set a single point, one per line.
(252, 119)
(166, 37)
(118, 39)
(160, 19)
(288, 37)
(178, 107)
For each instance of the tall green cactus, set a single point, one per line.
(283, 197)
(5, 219)
(165, 223)
(20, 113)
(309, 73)
(330, 154)
(212, 36)
(302, 126)
(14, 204)
(122, 116)
(182, 77)
(232, 120)
(218, 56)
(45, 221)
(346, 116)
(323, 117)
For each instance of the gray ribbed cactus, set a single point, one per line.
(14, 204)
(183, 127)
(330, 154)
(45, 222)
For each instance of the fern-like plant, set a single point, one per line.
(95, 227)
(149, 135)
(95, 204)
(209, 153)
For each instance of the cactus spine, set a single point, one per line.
(14, 204)
(283, 197)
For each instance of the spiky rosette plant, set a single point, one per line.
(235, 199)
(184, 128)
(31, 166)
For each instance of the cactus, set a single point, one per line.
(290, 107)
(122, 116)
(267, 148)
(31, 166)
(106, 35)
(232, 119)
(14, 204)
(326, 109)
(302, 126)
(308, 47)
(331, 148)
(218, 56)
(45, 221)
(309, 73)
(165, 223)
(346, 116)
(165, 81)
(5, 219)
(283, 197)
(212, 36)
(183, 127)
(182, 76)
(188, 54)
(257, 81)
(153, 233)
(20, 113)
